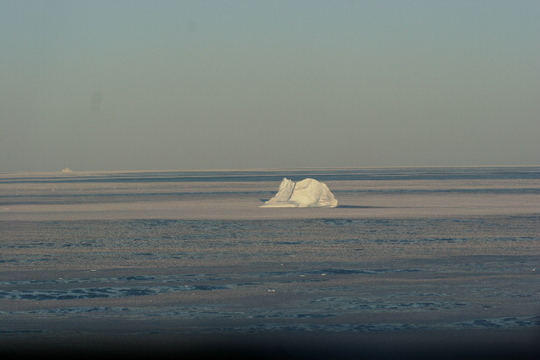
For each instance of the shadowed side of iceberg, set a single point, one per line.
(305, 193)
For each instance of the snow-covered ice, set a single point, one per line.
(177, 258)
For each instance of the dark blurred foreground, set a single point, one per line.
(467, 344)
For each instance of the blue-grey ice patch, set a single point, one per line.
(305, 193)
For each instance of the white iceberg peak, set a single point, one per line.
(305, 193)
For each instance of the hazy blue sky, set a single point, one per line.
(152, 85)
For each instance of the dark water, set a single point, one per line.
(406, 173)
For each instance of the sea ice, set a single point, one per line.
(305, 193)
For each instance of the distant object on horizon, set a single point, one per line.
(305, 193)
(67, 170)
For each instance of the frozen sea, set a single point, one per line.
(427, 262)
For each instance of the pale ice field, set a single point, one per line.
(412, 262)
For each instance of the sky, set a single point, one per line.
(171, 85)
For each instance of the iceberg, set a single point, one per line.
(305, 193)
